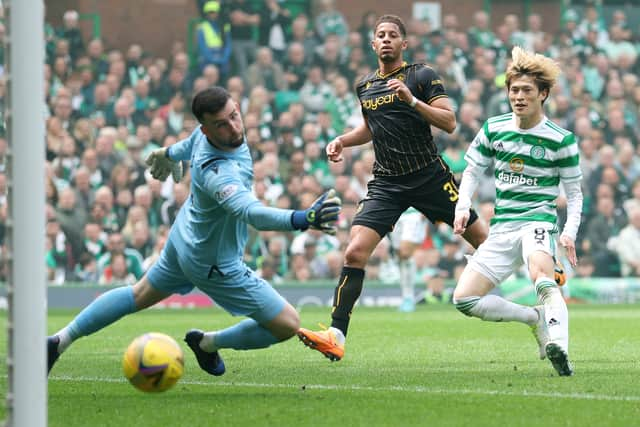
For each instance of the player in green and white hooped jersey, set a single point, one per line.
(531, 156)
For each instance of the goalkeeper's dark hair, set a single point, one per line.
(209, 101)
(393, 19)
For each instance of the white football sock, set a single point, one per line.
(340, 338)
(555, 311)
(407, 278)
(496, 309)
(208, 342)
(65, 339)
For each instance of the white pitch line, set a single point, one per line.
(411, 389)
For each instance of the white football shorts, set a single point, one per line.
(503, 253)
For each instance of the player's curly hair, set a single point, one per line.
(544, 70)
(393, 19)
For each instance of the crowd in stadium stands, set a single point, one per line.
(293, 76)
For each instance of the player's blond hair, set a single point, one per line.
(544, 70)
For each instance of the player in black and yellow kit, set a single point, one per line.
(400, 102)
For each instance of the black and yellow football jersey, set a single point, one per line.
(402, 138)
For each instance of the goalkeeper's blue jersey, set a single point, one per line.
(212, 225)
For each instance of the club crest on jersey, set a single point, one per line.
(537, 152)
(401, 77)
(516, 164)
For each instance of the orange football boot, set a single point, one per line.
(323, 341)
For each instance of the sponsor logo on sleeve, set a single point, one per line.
(225, 193)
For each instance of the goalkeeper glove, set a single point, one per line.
(322, 215)
(161, 166)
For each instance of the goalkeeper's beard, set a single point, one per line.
(231, 143)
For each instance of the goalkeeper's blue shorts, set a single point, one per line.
(239, 290)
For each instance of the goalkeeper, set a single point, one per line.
(206, 243)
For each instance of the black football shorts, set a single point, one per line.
(432, 190)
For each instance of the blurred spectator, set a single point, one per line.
(618, 46)
(534, 33)
(605, 224)
(214, 39)
(104, 199)
(87, 269)
(634, 200)
(480, 33)
(266, 72)
(135, 214)
(315, 92)
(627, 245)
(141, 239)
(71, 219)
(451, 262)
(122, 115)
(343, 107)
(123, 201)
(170, 208)
(117, 272)
(94, 242)
(300, 33)
(151, 203)
(174, 113)
(295, 66)
(627, 162)
(161, 239)
(431, 276)
(105, 153)
(99, 64)
(244, 18)
(330, 21)
(585, 268)
(116, 245)
(312, 244)
(616, 126)
(135, 71)
(329, 56)
(58, 252)
(67, 160)
(71, 33)
(274, 27)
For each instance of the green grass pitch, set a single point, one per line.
(433, 367)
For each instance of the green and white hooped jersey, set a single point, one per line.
(529, 165)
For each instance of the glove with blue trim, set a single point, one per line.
(322, 215)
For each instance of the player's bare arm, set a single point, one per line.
(358, 136)
(439, 113)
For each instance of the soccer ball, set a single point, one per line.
(153, 362)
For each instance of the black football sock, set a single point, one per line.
(345, 296)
